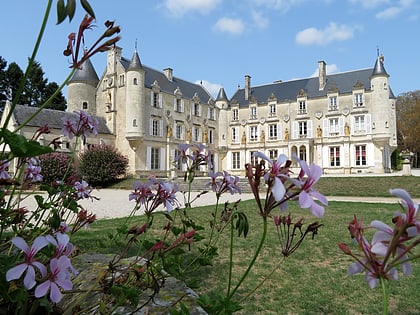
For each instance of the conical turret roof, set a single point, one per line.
(86, 73)
(135, 63)
(221, 96)
(379, 68)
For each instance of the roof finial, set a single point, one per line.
(377, 51)
(135, 45)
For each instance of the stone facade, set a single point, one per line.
(344, 122)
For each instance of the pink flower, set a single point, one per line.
(33, 170)
(4, 167)
(141, 192)
(307, 193)
(30, 262)
(277, 170)
(83, 190)
(59, 277)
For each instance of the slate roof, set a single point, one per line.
(85, 74)
(188, 89)
(289, 90)
(221, 96)
(54, 118)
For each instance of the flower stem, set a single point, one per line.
(384, 296)
(252, 262)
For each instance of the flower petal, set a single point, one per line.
(278, 189)
(42, 289)
(29, 280)
(16, 272)
(317, 210)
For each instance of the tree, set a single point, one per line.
(408, 120)
(37, 88)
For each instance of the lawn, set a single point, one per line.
(313, 280)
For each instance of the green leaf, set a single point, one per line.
(88, 8)
(61, 11)
(242, 224)
(21, 147)
(71, 8)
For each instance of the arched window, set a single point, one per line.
(85, 105)
(134, 122)
(302, 153)
(135, 81)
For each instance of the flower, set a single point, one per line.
(83, 190)
(59, 277)
(33, 170)
(307, 192)
(4, 166)
(141, 192)
(166, 195)
(277, 170)
(30, 262)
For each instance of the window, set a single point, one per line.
(358, 100)
(196, 109)
(333, 127)
(253, 114)
(359, 124)
(211, 113)
(334, 156)
(122, 80)
(211, 136)
(155, 127)
(154, 159)
(272, 110)
(273, 154)
(253, 159)
(303, 129)
(84, 105)
(272, 129)
(135, 81)
(235, 114)
(177, 163)
(302, 107)
(332, 103)
(178, 131)
(155, 101)
(302, 153)
(235, 135)
(134, 122)
(360, 155)
(196, 134)
(178, 105)
(253, 133)
(236, 160)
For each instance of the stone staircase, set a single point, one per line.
(199, 184)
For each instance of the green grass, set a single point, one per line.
(313, 280)
(362, 186)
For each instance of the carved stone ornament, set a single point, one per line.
(168, 113)
(346, 111)
(318, 115)
(262, 121)
(286, 118)
(243, 122)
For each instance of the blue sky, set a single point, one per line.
(218, 42)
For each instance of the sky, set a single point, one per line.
(218, 42)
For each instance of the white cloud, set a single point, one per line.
(393, 11)
(280, 5)
(333, 32)
(178, 8)
(369, 4)
(233, 26)
(330, 69)
(213, 88)
(259, 20)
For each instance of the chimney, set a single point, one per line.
(247, 86)
(322, 74)
(168, 73)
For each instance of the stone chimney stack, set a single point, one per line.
(247, 87)
(168, 73)
(322, 74)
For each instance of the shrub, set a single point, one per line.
(57, 166)
(102, 165)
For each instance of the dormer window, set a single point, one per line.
(272, 110)
(332, 103)
(302, 107)
(253, 114)
(358, 100)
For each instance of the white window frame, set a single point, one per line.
(236, 160)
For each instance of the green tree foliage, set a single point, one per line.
(37, 88)
(102, 164)
(408, 120)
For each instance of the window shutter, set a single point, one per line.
(151, 126)
(161, 128)
(175, 104)
(310, 129)
(352, 125)
(162, 157)
(200, 135)
(368, 123)
(151, 98)
(279, 132)
(295, 130)
(341, 126)
(160, 101)
(182, 106)
(325, 127)
(148, 157)
(182, 132)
